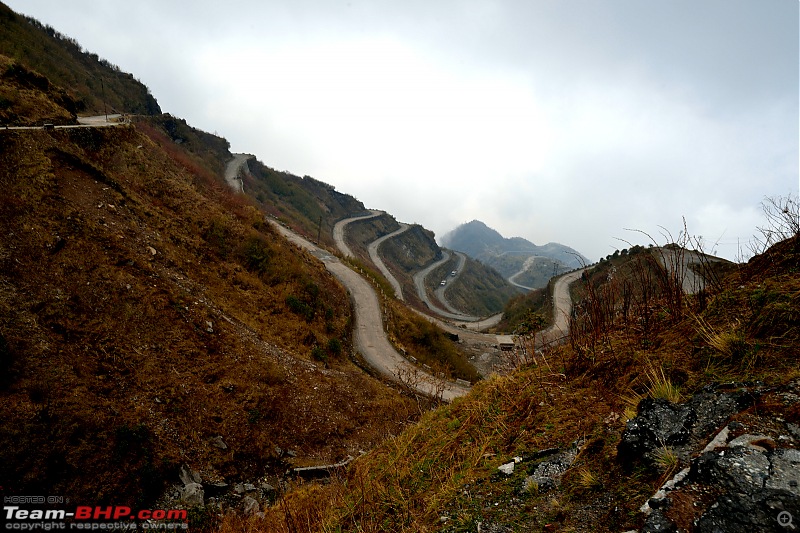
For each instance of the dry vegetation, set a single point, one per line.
(446, 464)
(145, 310)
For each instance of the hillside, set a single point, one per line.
(308, 205)
(92, 83)
(587, 432)
(151, 319)
(480, 291)
(517, 259)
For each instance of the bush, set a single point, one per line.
(257, 255)
(319, 354)
(335, 346)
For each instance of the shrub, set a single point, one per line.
(257, 255)
(319, 354)
(335, 346)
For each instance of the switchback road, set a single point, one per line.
(370, 339)
(376, 259)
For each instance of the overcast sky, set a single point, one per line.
(564, 121)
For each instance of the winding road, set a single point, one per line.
(419, 283)
(525, 266)
(373, 254)
(339, 227)
(233, 171)
(370, 339)
(562, 308)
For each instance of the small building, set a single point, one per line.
(505, 342)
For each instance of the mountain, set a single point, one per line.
(94, 84)
(514, 257)
(583, 436)
(149, 317)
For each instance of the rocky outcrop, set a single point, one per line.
(738, 449)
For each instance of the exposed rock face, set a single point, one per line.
(192, 495)
(681, 427)
(741, 458)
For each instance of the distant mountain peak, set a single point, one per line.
(483, 243)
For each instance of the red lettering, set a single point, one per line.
(159, 514)
(106, 513)
(144, 514)
(120, 512)
(83, 512)
(177, 514)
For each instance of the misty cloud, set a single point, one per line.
(555, 121)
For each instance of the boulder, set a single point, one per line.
(250, 506)
(187, 475)
(192, 495)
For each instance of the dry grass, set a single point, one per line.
(107, 340)
(667, 460)
(729, 340)
(587, 480)
(660, 386)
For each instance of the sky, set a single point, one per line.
(571, 121)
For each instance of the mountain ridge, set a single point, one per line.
(520, 261)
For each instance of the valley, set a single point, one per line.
(189, 329)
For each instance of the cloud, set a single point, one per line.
(555, 121)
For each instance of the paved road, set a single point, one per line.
(100, 121)
(376, 259)
(339, 231)
(525, 266)
(562, 307)
(370, 338)
(440, 289)
(233, 171)
(686, 266)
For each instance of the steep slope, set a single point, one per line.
(95, 84)
(150, 318)
(27, 98)
(310, 206)
(714, 391)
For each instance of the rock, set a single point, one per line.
(507, 468)
(249, 487)
(250, 506)
(740, 513)
(681, 427)
(192, 495)
(188, 476)
(209, 326)
(216, 489)
(658, 523)
(152, 250)
(785, 471)
(658, 423)
(547, 474)
(749, 484)
(217, 442)
(739, 469)
(755, 442)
